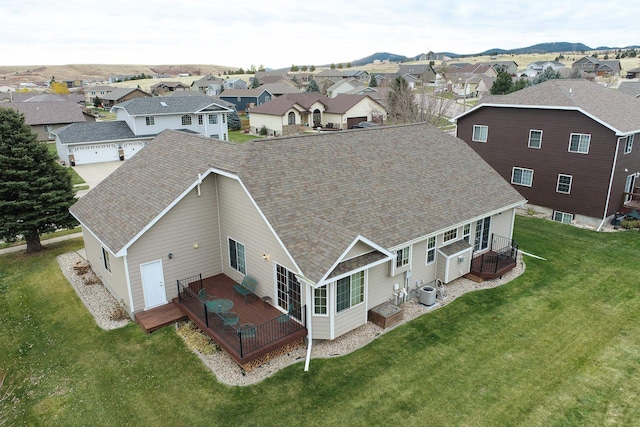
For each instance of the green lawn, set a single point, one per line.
(239, 136)
(75, 178)
(558, 346)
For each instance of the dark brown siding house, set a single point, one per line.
(566, 145)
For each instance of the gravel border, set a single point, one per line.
(99, 302)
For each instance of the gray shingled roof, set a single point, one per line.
(48, 113)
(118, 93)
(319, 192)
(172, 105)
(630, 88)
(612, 108)
(94, 132)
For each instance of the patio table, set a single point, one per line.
(220, 305)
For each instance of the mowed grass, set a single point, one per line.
(557, 346)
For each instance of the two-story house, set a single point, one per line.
(137, 121)
(330, 225)
(566, 145)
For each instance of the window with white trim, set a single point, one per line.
(450, 235)
(349, 291)
(320, 300)
(215, 136)
(628, 146)
(224, 118)
(237, 256)
(213, 119)
(186, 120)
(200, 119)
(150, 120)
(535, 138)
(466, 232)
(402, 257)
(431, 250)
(563, 217)
(291, 118)
(105, 260)
(522, 176)
(564, 184)
(480, 133)
(579, 143)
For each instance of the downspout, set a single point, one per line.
(613, 168)
(126, 272)
(309, 328)
(199, 183)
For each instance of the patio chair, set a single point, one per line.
(230, 318)
(247, 288)
(203, 296)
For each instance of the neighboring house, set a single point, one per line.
(164, 87)
(234, 83)
(90, 92)
(566, 145)
(295, 113)
(243, 99)
(510, 67)
(343, 86)
(211, 85)
(538, 67)
(120, 95)
(331, 225)
(423, 73)
(485, 69)
(469, 85)
(44, 118)
(379, 94)
(144, 118)
(590, 67)
(630, 88)
(633, 73)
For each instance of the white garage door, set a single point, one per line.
(95, 153)
(131, 148)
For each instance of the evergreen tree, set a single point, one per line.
(97, 101)
(547, 74)
(312, 86)
(503, 84)
(373, 82)
(400, 102)
(312, 68)
(35, 192)
(333, 66)
(233, 120)
(255, 83)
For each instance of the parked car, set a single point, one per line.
(363, 125)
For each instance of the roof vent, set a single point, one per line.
(570, 91)
(164, 104)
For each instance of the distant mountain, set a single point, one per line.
(380, 56)
(541, 48)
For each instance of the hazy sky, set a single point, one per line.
(281, 33)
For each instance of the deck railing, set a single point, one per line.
(246, 338)
(189, 287)
(502, 253)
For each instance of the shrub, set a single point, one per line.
(118, 312)
(195, 339)
(263, 130)
(629, 224)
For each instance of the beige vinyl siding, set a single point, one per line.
(380, 285)
(441, 265)
(501, 223)
(240, 220)
(348, 319)
(360, 248)
(193, 220)
(457, 269)
(321, 328)
(272, 123)
(115, 281)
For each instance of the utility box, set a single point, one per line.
(427, 295)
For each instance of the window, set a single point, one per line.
(562, 217)
(213, 119)
(215, 136)
(186, 120)
(579, 143)
(466, 231)
(350, 291)
(291, 118)
(535, 138)
(320, 300)
(402, 257)
(450, 235)
(480, 133)
(629, 144)
(236, 256)
(431, 250)
(200, 119)
(150, 121)
(482, 234)
(522, 176)
(105, 260)
(289, 291)
(564, 183)
(224, 118)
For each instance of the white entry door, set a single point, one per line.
(153, 284)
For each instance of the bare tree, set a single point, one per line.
(400, 102)
(433, 108)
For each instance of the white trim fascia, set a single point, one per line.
(459, 224)
(128, 280)
(124, 249)
(470, 248)
(106, 141)
(618, 132)
(349, 273)
(358, 238)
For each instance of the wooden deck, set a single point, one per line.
(263, 329)
(156, 318)
(491, 265)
